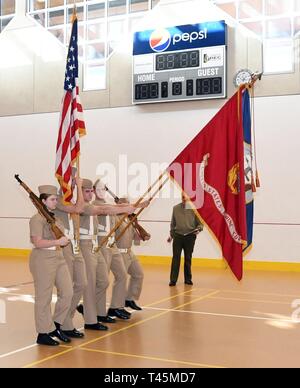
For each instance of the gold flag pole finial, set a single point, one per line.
(74, 16)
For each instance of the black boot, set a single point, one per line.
(45, 339)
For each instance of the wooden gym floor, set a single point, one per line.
(216, 323)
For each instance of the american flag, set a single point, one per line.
(72, 125)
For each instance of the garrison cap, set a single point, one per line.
(47, 189)
(87, 184)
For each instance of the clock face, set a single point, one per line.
(242, 77)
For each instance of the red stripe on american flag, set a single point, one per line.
(68, 145)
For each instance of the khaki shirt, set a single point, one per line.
(39, 227)
(62, 215)
(102, 219)
(125, 242)
(85, 219)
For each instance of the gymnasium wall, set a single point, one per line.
(150, 134)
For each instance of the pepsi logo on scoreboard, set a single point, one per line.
(180, 38)
(160, 40)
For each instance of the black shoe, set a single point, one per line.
(189, 283)
(172, 284)
(132, 305)
(125, 312)
(60, 335)
(73, 333)
(79, 308)
(96, 327)
(106, 319)
(45, 339)
(117, 313)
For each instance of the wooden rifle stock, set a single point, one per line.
(41, 208)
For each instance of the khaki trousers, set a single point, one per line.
(94, 296)
(77, 271)
(136, 273)
(50, 269)
(115, 264)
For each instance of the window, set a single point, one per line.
(276, 22)
(7, 11)
(138, 5)
(102, 24)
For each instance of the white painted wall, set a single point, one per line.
(157, 133)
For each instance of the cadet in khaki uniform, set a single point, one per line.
(74, 261)
(132, 263)
(94, 299)
(114, 261)
(49, 269)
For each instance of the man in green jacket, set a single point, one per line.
(185, 226)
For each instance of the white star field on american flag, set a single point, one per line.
(72, 61)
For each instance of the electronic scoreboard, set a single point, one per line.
(180, 63)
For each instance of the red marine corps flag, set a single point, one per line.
(213, 164)
(71, 126)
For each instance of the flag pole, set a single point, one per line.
(255, 182)
(140, 211)
(76, 217)
(136, 204)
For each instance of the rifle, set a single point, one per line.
(116, 199)
(141, 232)
(42, 209)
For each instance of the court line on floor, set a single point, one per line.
(27, 348)
(18, 285)
(116, 332)
(153, 358)
(251, 300)
(151, 304)
(262, 293)
(17, 351)
(192, 312)
(197, 289)
(34, 345)
(182, 293)
(224, 315)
